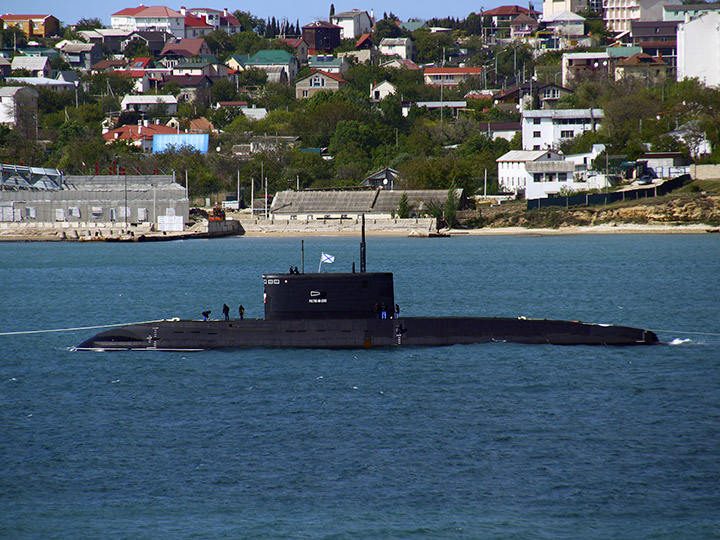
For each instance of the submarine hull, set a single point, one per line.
(189, 335)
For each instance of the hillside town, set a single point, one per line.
(134, 123)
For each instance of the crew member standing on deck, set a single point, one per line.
(241, 311)
(226, 312)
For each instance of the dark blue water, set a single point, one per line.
(483, 441)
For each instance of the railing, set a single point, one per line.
(594, 199)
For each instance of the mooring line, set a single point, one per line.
(71, 329)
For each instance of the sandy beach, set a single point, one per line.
(278, 230)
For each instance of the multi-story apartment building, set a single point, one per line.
(546, 129)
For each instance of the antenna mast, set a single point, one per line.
(362, 247)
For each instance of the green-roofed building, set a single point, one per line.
(271, 60)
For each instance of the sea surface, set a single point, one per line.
(497, 441)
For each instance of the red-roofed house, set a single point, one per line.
(183, 49)
(300, 47)
(140, 135)
(153, 18)
(32, 25)
(501, 16)
(196, 26)
(449, 76)
(317, 81)
(218, 20)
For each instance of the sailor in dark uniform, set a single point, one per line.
(226, 312)
(205, 315)
(241, 311)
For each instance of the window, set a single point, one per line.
(437, 78)
(74, 211)
(552, 93)
(30, 212)
(536, 134)
(304, 93)
(536, 121)
(569, 134)
(142, 214)
(537, 177)
(317, 82)
(562, 177)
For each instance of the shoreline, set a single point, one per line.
(618, 228)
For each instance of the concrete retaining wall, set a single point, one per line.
(705, 172)
(329, 226)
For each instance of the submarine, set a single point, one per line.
(350, 310)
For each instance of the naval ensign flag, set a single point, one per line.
(325, 258)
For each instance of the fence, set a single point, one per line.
(593, 199)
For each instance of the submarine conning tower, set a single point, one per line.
(327, 296)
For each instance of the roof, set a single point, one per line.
(9, 91)
(325, 60)
(16, 17)
(76, 47)
(523, 155)
(564, 113)
(293, 42)
(642, 59)
(349, 14)
(106, 64)
(413, 25)
(399, 63)
(390, 42)
(333, 76)
(194, 21)
(270, 56)
(170, 100)
(524, 19)
(30, 62)
(320, 24)
(136, 132)
(363, 39)
(189, 46)
(186, 81)
(453, 70)
(142, 12)
(508, 11)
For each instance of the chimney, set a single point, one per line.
(225, 12)
(182, 11)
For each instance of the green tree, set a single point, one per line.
(450, 208)
(403, 210)
(87, 23)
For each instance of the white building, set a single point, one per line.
(145, 103)
(513, 175)
(153, 18)
(571, 175)
(565, 24)
(353, 23)
(698, 49)
(618, 14)
(545, 129)
(401, 47)
(19, 108)
(378, 92)
(551, 7)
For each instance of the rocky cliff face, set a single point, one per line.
(690, 209)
